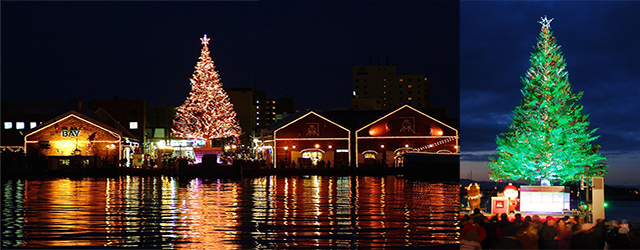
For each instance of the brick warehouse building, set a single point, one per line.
(361, 138)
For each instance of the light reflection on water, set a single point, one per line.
(268, 212)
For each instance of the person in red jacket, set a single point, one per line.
(474, 227)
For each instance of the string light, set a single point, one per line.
(207, 113)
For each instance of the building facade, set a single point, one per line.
(130, 114)
(382, 88)
(75, 140)
(359, 138)
(312, 141)
(406, 129)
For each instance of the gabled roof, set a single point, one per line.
(285, 121)
(308, 113)
(397, 110)
(78, 115)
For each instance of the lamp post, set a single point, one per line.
(286, 155)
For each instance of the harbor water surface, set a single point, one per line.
(257, 213)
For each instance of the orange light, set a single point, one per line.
(317, 145)
(379, 129)
(436, 131)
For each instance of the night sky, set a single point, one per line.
(52, 51)
(601, 45)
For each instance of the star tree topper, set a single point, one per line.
(546, 23)
(205, 40)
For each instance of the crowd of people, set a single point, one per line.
(477, 231)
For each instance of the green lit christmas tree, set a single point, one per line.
(549, 137)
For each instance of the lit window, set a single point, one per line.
(257, 101)
(133, 125)
(33, 124)
(257, 118)
(410, 98)
(257, 107)
(409, 86)
(19, 125)
(8, 125)
(158, 133)
(257, 124)
(400, 80)
(257, 113)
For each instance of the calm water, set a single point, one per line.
(268, 212)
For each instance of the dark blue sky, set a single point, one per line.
(601, 46)
(52, 51)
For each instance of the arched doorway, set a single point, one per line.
(397, 159)
(311, 156)
(370, 155)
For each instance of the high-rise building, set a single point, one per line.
(382, 88)
(270, 111)
(242, 100)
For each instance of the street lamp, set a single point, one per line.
(286, 155)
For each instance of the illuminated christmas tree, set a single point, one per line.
(207, 112)
(549, 138)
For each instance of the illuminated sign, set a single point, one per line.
(544, 199)
(70, 131)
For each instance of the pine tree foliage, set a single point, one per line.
(207, 113)
(549, 136)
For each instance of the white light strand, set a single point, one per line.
(438, 143)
